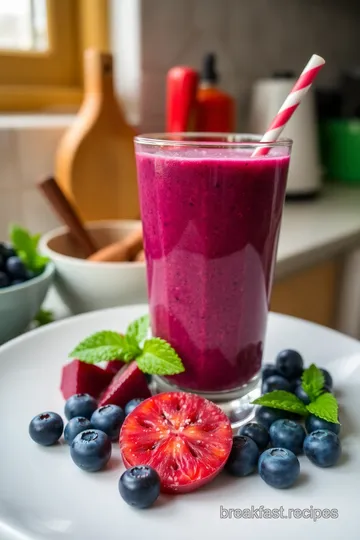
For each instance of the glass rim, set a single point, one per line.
(210, 140)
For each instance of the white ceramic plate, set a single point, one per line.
(43, 495)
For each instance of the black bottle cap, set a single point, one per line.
(209, 73)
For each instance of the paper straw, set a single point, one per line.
(291, 103)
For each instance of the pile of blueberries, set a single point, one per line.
(272, 443)
(12, 270)
(89, 433)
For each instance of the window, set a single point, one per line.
(41, 50)
(23, 25)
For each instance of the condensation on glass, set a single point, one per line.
(23, 25)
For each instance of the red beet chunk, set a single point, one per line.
(114, 366)
(129, 383)
(81, 378)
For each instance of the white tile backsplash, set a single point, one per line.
(252, 39)
(27, 153)
(36, 151)
(10, 211)
(9, 165)
(36, 212)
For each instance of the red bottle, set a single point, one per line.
(215, 109)
(198, 107)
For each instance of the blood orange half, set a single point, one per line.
(185, 438)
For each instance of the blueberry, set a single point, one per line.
(275, 382)
(267, 415)
(313, 423)
(4, 280)
(108, 419)
(287, 434)
(80, 405)
(301, 394)
(140, 486)
(75, 426)
(294, 383)
(30, 274)
(322, 447)
(290, 364)
(46, 428)
(16, 268)
(18, 281)
(91, 450)
(327, 379)
(279, 467)
(268, 370)
(6, 250)
(258, 433)
(129, 407)
(243, 457)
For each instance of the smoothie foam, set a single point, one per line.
(211, 223)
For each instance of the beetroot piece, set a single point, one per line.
(129, 383)
(81, 378)
(114, 366)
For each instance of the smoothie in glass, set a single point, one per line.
(211, 216)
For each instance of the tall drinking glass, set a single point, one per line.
(211, 216)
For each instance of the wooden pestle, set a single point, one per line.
(67, 214)
(123, 250)
(140, 257)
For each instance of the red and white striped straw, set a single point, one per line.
(291, 103)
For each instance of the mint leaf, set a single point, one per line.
(138, 329)
(131, 349)
(35, 240)
(159, 358)
(312, 381)
(44, 317)
(101, 346)
(280, 399)
(25, 246)
(22, 243)
(325, 407)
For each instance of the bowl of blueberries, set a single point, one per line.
(25, 277)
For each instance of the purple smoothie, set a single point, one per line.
(211, 224)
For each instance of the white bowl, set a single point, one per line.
(86, 285)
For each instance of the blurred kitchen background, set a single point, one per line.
(260, 46)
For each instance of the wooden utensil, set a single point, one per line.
(67, 214)
(123, 250)
(95, 162)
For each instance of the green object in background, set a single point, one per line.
(26, 247)
(44, 317)
(340, 149)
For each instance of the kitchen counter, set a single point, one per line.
(315, 231)
(312, 232)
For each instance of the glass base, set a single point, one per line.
(235, 403)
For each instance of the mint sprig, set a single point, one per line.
(312, 381)
(26, 247)
(100, 347)
(154, 356)
(322, 404)
(138, 329)
(280, 399)
(326, 407)
(159, 358)
(43, 317)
